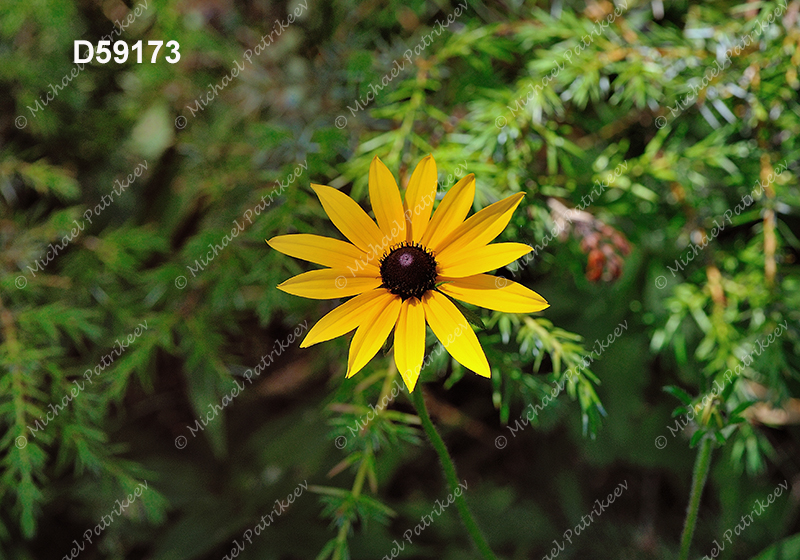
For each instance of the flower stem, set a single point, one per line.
(701, 467)
(358, 484)
(450, 474)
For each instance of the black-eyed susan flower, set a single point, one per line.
(402, 270)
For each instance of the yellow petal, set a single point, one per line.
(386, 203)
(409, 341)
(484, 259)
(322, 250)
(372, 333)
(420, 194)
(455, 334)
(451, 211)
(344, 318)
(479, 229)
(328, 283)
(494, 292)
(349, 218)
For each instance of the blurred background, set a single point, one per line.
(657, 144)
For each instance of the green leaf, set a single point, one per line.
(388, 343)
(471, 316)
(678, 393)
(327, 550)
(787, 549)
(742, 407)
(696, 437)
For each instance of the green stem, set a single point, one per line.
(701, 467)
(358, 484)
(450, 474)
(408, 121)
(361, 475)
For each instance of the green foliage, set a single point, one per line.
(516, 94)
(787, 548)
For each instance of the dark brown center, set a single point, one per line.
(408, 270)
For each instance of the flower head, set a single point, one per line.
(402, 270)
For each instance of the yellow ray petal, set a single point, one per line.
(479, 229)
(409, 341)
(328, 283)
(344, 318)
(483, 259)
(494, 292)
(386, 203)
(451, 211)
(372, 333)
(455, 334)
(323, 250)
(349, 218)
(420, 194)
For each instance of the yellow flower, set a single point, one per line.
(402, 269)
